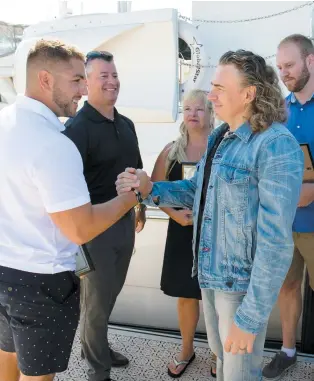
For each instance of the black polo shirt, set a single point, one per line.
(107, 147)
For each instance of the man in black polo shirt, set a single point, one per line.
(108, 144)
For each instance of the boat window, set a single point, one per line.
(184, 60)
(10, 37)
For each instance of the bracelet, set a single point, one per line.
(138, 195)
(140, 207)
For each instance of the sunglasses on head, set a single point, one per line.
(99, 54)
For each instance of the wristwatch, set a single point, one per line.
(138, 196)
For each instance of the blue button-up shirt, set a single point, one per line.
(301, 125)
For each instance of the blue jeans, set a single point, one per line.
(219, 310)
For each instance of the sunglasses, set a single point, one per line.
(99, 54)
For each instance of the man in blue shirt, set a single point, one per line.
(295, 61)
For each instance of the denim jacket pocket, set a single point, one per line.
(233, 187)
(249, 245)
(237, 246)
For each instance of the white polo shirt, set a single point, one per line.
(41, 172)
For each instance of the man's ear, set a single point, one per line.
(46, 80)
(250, 94)
(310, 61)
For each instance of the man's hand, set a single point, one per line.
(307, 195)
(134, 178)
(127, 180)
(183, 217)
(238, 341)
(140, 219)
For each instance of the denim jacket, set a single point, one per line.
(246, 240)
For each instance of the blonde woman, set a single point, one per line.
(176, 280)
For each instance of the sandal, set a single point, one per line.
(214, 375)
(213, 365)
(178, 363)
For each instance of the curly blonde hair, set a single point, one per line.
(269, 104)
(177, 150)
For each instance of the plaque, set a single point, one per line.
(188, 170)
(84, 263)
(308, 175)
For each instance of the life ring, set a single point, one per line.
(189, 34)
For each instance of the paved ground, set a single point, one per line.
(149, 356)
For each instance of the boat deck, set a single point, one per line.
(150, 353)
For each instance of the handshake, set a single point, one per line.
(134, 179)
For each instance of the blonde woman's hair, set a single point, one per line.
(177, 150)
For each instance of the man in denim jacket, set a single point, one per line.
(244, 196)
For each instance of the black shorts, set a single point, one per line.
(39, 314)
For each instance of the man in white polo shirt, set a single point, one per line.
(45, 211)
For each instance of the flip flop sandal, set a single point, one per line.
(178, 363)
(214, 375)
(212, 366)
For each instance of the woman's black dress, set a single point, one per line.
(176, 277)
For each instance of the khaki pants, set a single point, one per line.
(303, 253)
(111, 253)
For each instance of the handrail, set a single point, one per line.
(156, 214)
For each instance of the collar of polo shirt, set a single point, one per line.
(41, 109)
(96, 116)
